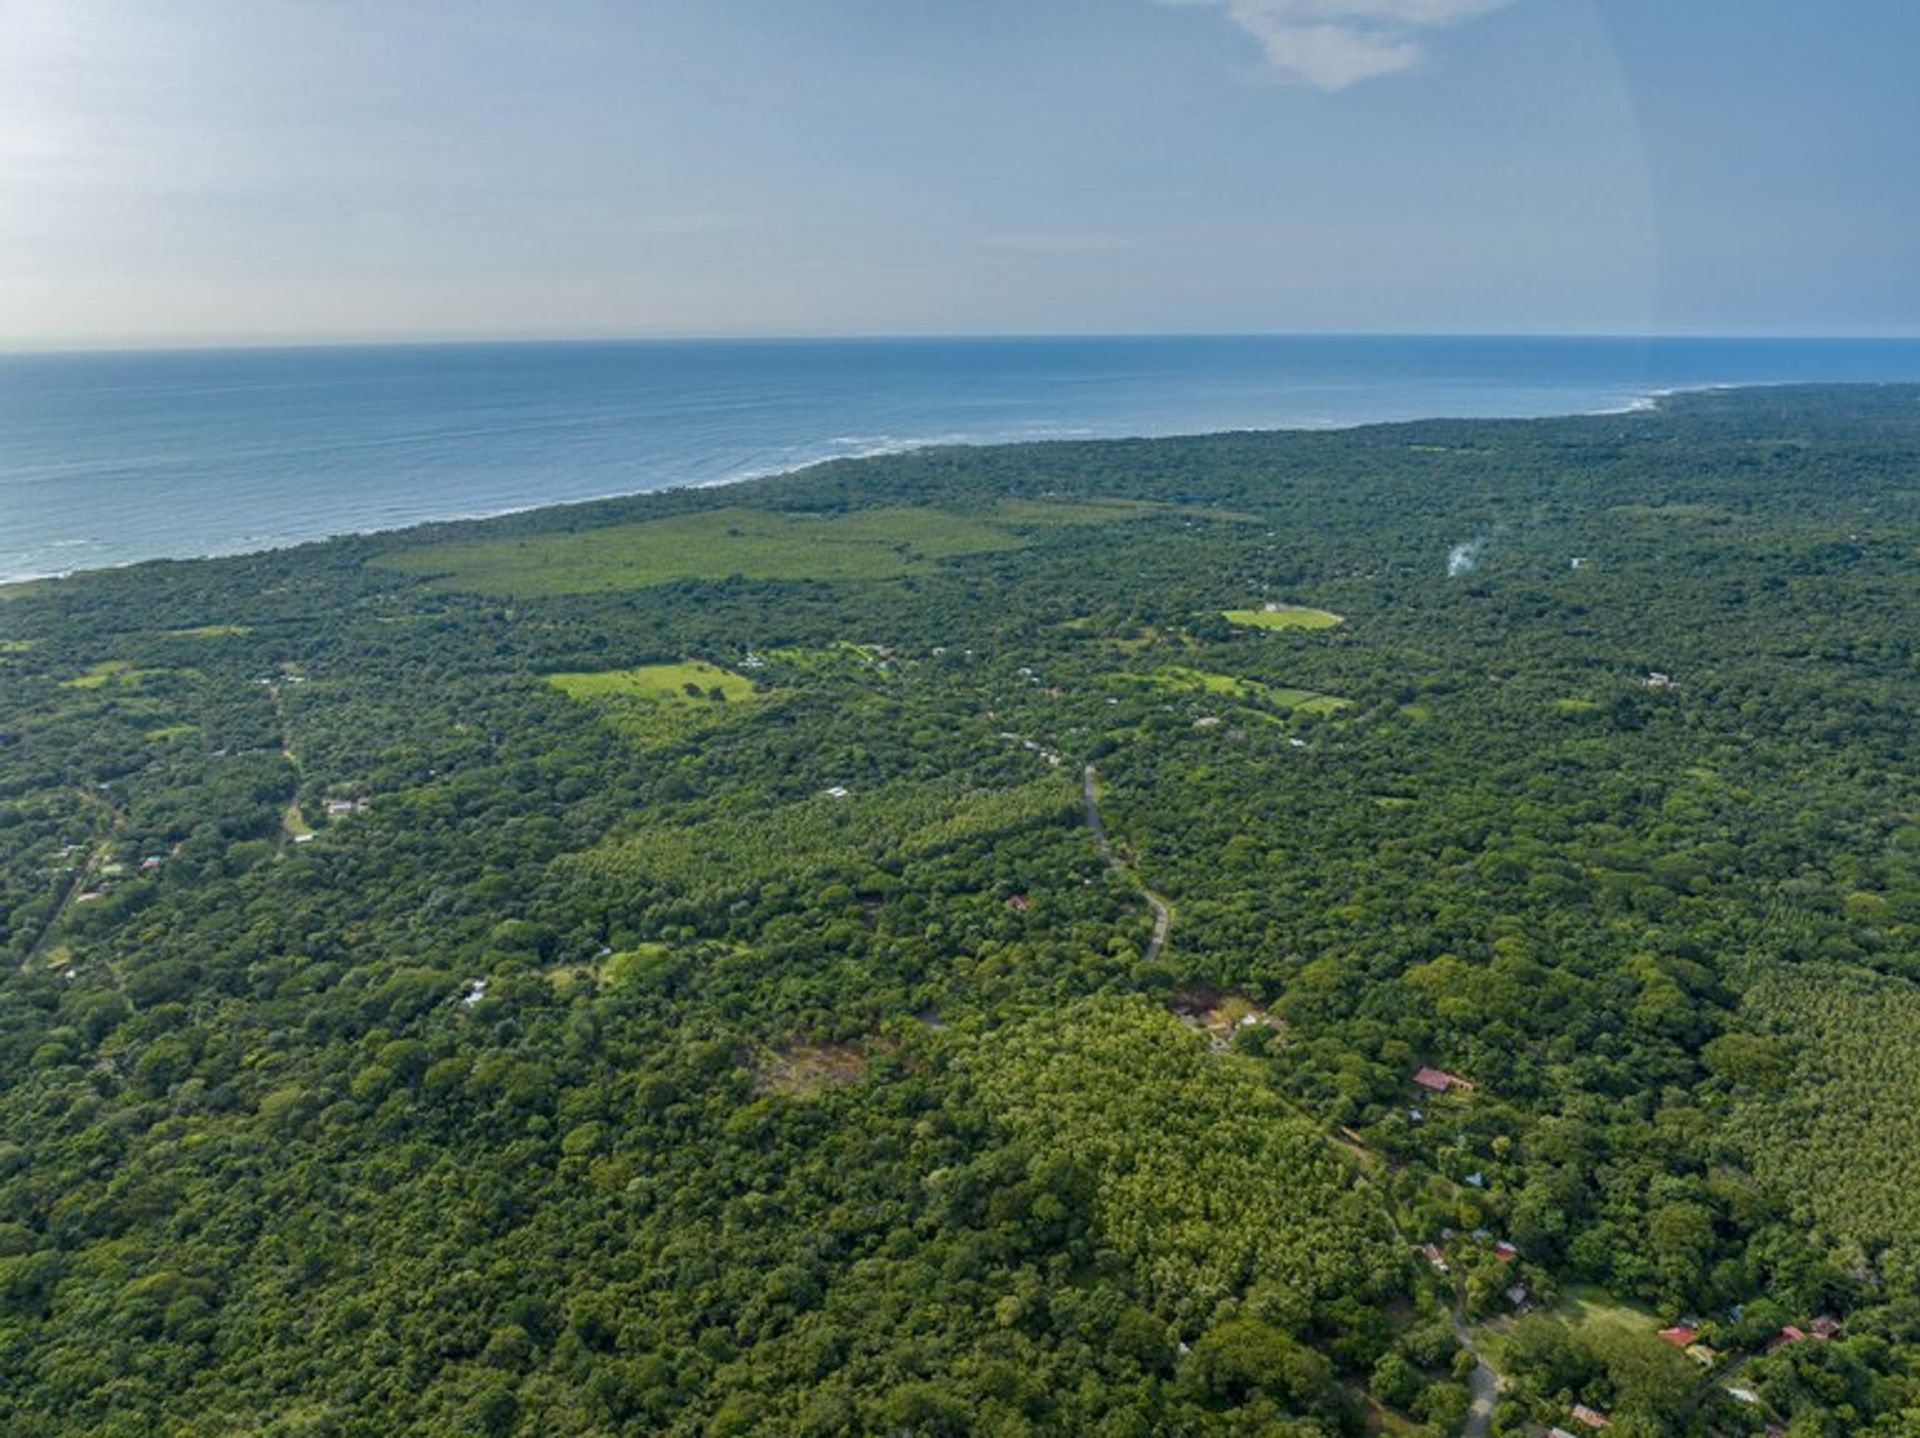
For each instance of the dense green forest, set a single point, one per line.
(944, 944)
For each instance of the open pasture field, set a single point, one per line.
(656, 683)
(107, 671)
(737, 541)
(716, 544)
(1283, 616)
(660, 703)
(1231, 686)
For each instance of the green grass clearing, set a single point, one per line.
(1581, 1305)
(210, 631)
(841, 657)
(1283, 616)
(107, 671)
(712, 544)
(657, 683)
(1230, 686)
(1106, 511)
(659, 703)
(295, 823)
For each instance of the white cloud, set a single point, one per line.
(1337, 43)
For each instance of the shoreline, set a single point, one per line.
(1647, 402)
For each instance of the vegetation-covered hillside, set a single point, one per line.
(1160, 937)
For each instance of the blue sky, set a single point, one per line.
(266, 169)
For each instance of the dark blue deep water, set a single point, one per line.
(110, 458)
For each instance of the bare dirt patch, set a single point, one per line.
(808, 1068)
(1221, 1015)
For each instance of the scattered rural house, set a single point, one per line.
(1743, 1395)
(1415, 1116)
(1505, 1251)
(1825, 1326)
(304, 838)
(1019, 903)
(1054, 691)
(337, 807)
(1558, 1433)
(1790, 1334)
(1656, 680)
(152, 861)
(1431, 1252)
(1440, 1081)
(1476, 1179)
(1579, 561)
(838, 791)
(1702, 1354)
(113, 870)
(1592, 1417)
(88, 897)
(1517, 1295)
(476, 991)
(1297, 743)
(1680, 1335)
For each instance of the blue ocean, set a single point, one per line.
(109, 458)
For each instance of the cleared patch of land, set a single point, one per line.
(1105, 511)
(107, 671)
(211, 631)
(657, 703)
(712, 544)
(737, 541)
(1232, 686)
(1283, 616)
(1582, 1306)
(690, 681)
(807, 1068)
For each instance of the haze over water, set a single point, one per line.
(110, 458)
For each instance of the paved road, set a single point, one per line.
(1162, 910)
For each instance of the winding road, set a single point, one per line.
(1484, 1384)
(1162, 910)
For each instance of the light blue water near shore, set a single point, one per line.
(110, 458)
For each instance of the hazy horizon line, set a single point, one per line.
(180, 345)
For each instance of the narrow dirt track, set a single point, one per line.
(1162, 910)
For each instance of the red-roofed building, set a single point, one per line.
(1505, 1251)
(1592, 1417)
(1440, 1081)
(1789, 1334)
(1680, 1335)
